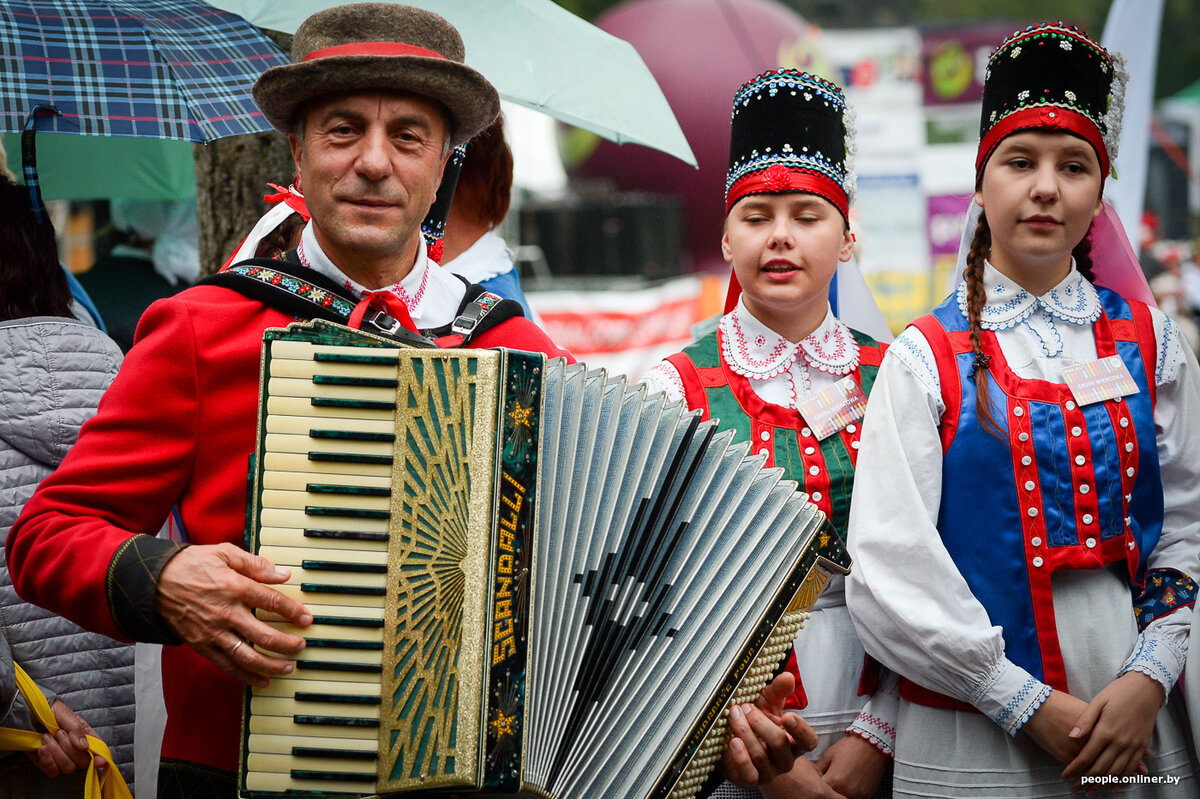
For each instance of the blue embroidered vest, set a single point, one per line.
(1068, 487)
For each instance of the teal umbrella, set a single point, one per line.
(72, 167)
(538, 55)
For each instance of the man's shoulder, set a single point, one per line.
(518, 333)
(209, 312)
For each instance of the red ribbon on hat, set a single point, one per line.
(372, 48)
(778, 179)
(1050, 117)
(293, 200)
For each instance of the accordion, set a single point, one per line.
(526, 577)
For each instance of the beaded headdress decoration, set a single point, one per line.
(791, 132)
(1053, 76)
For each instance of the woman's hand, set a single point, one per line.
(853, 767)
(1051, 725)
(765, 742)
(802, 782)
(1116, 726)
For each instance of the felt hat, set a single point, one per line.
(791, 132)
(1052, 76)
(379, 46)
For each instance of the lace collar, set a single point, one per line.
(756, 351)
(410, 290)
(1074, 300)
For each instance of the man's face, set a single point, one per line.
(370, 163)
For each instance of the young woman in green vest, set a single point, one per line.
(790, 377)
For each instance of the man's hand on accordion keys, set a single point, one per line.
(765, 741)
(207, 595)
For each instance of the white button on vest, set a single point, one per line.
(1080, 460)
(806, 432)
(854, 444)
(1018, 411)
(1076, 431)
(1026, 460)
(809, 450)
(1070, 405)
(1083, 489)
(1124, 421)
(1129, 446)
(764, 451)
(1033, 511)
(766, 435)
(1130, 471)
(851, 428)
(816, 496)
(1131, 545)
(1037, 542)
(814, 470)
(1029, 485)
(1090, 543)
(1087, 518)
(1023, 437)
(1038, 562)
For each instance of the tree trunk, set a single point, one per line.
(231, 178)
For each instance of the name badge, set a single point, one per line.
(832, 408)
(1099, 380)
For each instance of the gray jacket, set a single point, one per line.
(52, 374)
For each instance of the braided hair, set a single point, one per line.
(981, 245)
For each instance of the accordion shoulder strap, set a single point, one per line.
(289, 287)
(480, 311)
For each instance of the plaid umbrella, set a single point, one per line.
(169, 69)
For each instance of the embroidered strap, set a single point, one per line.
(476, 315)
(298, 291)
(109, 786)
(943, 355)
(1166, 591)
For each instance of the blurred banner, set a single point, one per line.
(1132, 29)
(954, 61)
(627, 330)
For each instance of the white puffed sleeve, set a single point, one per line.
(1161, 650)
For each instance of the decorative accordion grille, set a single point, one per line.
(435, 443)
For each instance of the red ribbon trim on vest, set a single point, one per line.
(372, 48)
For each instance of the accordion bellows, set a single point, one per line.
(527, 577)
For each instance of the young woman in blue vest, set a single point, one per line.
(1026, 521)
(762, 371)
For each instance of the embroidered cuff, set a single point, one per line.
(664, 377)
(1158, 656)
(131, 583)
(876, 722)
(875, 730)
(1009, 695)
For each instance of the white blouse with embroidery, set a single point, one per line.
(911, 605)
(780, 372)
(431, 294)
